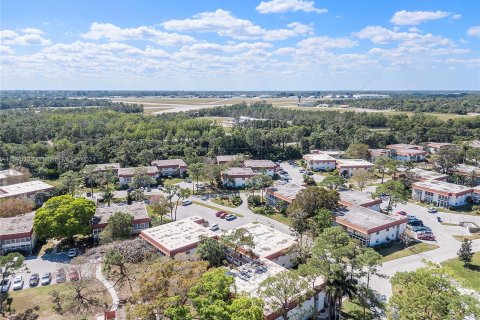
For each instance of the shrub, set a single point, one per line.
(254, 201)
(236, 200)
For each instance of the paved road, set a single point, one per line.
(448, 245)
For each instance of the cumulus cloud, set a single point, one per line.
(225, 24)
(474, 31)
(404, 18)
(114, 33)
(280, 6)
(27, 36)
(381, 35)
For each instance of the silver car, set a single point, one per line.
(17, 283)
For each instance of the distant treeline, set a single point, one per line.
(446, 103)
(25, 101)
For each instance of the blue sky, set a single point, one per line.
(240, 45)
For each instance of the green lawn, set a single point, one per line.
(39, 296)
(171, 181)
(398, 250)
(471, 274)
(224, 202)
(472, 237)
(216, 208)
(449, 224)
(353, 311)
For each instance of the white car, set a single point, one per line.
(186, 202)
(214, 227)
(72, 253)
(431, 210)
(17, 283)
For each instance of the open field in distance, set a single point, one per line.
(157, 105)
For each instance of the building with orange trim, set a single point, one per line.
(407, 152)
(351, 198)
(181, 236)
(170, 167)
(346, 167)
(370, 227)
(440, 193)
(16, 234)
(270, 244)
(320, 162)
(261, 166)
(236, 177)
(137, 210)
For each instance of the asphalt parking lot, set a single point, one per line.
(41, 264)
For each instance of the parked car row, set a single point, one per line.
(35, 279)
(421, 232)
(226, 216)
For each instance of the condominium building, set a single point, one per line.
(126, 175)
(320, 162)
(170, 167)
(370, 227)
(261, 166)
(346, 167)
(440, 193)
(16, 234)
(25, 189)
(236, 177)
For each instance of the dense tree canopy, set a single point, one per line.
(64, 216)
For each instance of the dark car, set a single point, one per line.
(415, 223)
(5, 284)
(46, 278)
(439, 219)
(61, 277)
(34, 280)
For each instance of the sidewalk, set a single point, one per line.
(110, 288)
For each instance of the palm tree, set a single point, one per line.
(108, 195)
(183, 193)
(171, 190)
(195, 170)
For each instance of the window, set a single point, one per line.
(378, 233)
(388, 229)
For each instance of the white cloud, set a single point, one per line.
(404, 17)
(414, 29)
(32, 31)
(325, 42)
(381, 35)
(279, 6)
(225, 24)
(114, 33)
(457, 16)
(4, 50)
(474, 31)
(28, 37)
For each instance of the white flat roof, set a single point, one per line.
(353, 163)
(442, 187)
(259, 164)
(286, 192)
(169, 163)
(16, 225)
(132, 170)
(467, 169)
(239, 171)
(9, 173)
(357, 198)
(104, 166)
(421, 174)
(249, 276)
(28, 187)
(178, 236)
(318, 157)
(368, 221)
(269, 242)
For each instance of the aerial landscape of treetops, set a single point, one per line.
(101, 135)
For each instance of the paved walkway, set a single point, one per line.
(110, 288)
